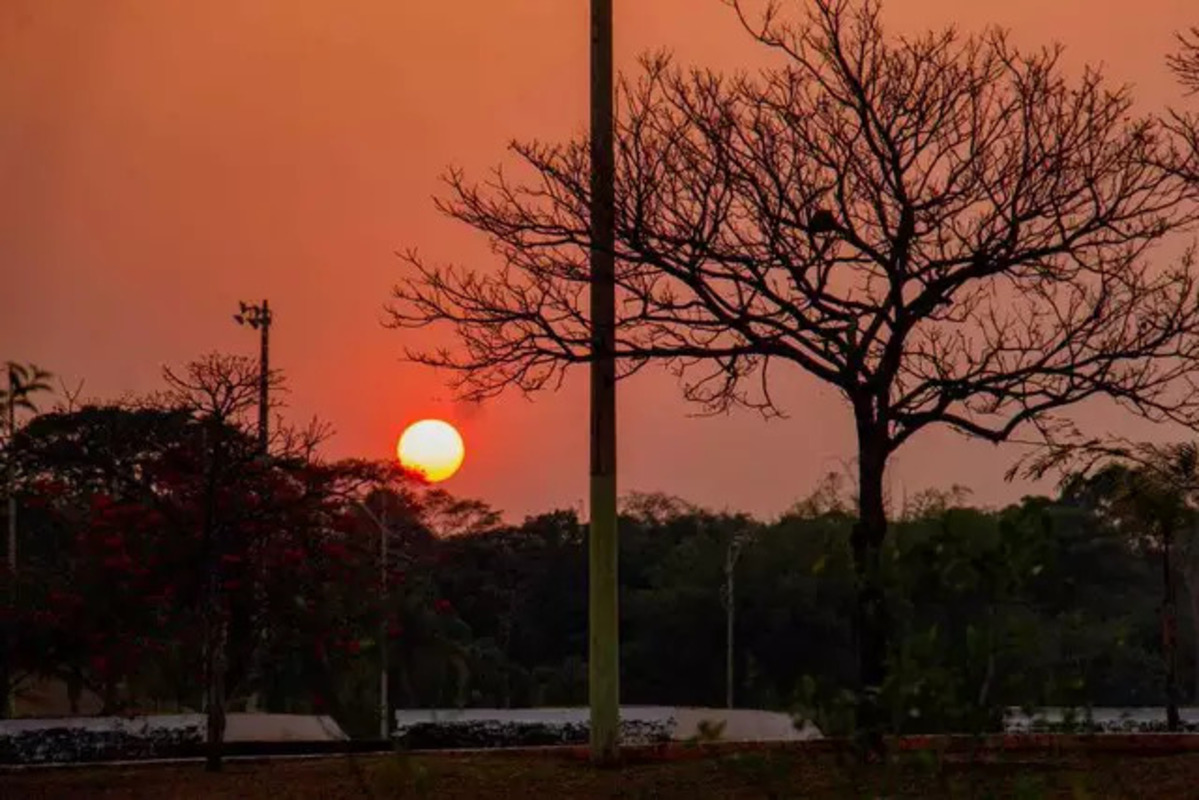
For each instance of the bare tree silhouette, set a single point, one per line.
(945, 228)
(1185, 62)
(1185, 124)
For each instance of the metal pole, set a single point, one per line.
(603, 613)
(384, 559)
(731, 603)
(1170, 632)
(264, 371)
(384, 702)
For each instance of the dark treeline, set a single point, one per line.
(1045, 602)
(124, 508)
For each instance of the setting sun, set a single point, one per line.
(433, 448)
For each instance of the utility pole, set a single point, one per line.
(380, 522)
(257, 317)
(604, 639)
(384, 641)
(730, 564)
(1170, 631)
(731, 554)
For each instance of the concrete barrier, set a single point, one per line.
(507, 727)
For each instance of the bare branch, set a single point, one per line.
(221, 386)
(1185, 62)
(946, 228)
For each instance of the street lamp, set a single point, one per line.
(384, 597)
(728, 596)
(259, 318)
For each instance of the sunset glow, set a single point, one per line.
(433, 448)
(290, 153)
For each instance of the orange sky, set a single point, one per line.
(162, 159)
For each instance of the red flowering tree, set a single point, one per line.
(100, 544)
(132, 507)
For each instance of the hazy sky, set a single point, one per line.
(162, 159)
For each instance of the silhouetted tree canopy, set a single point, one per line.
(1047, 602)
(946, 224)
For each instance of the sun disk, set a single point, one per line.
(433, 448)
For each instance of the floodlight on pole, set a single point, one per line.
(259, 317)
(729, 597)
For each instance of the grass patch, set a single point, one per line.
(774, 775)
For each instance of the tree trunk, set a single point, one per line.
(215, 693)
(870, 617)
(9, 644)
(74, 683)
(5, 674)
(109, 700)
(215, 619)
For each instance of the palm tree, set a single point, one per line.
(24, 381)
(1151, 491)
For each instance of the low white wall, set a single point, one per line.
(744, 725)
(238, 727)
(682, 723)
(1113, 719)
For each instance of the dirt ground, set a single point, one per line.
(745, 775)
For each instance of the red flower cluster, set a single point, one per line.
(293, 556)
(101, 502)
(49, 487)
(122, 562)
(335, 550)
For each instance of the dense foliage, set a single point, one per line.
(1052, 601)
(1041, 603)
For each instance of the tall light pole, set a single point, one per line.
(259, 318)
(603, 662)
(384, 597)
(730, 605)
